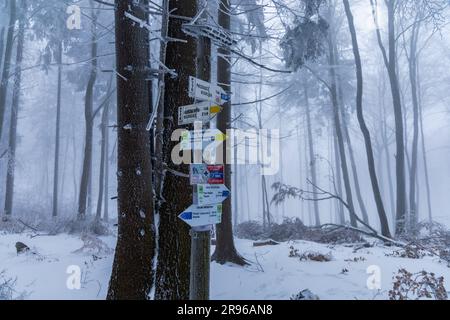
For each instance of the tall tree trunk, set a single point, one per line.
(173, 270)
(300, 168)
(364, 129)
(351, 153)
(159, 126)
(106, 180)
(2, 45)
(89, 122)
(307, 163)
(400, 155)
(412, 63)
(312, 156)
(103, 155)
(14, 113)
(390, 61)
(132, 274)
(280, 125)
(339, 135)
(225, 250)
(57, 133)
(424, 152)
(7, 62)
(348, 141)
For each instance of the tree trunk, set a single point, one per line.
(106, 181)
(412, 63)
(7, 62)
(103, 156)
(89, 122)
(312, 156)
(225, 250)
(339, 135)
(365, 131)
(159, 126)
(14, 113)
(348, 141)
(400, 155)
(300, 169)
(173, 270)
(338, 172)
(390, 61)
(132, 274)
(424, 152)
(2, 44)
(57, 133)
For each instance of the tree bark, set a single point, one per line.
(364, 129)
(14, 113)
(132, 274)
(412, 63)
(338, 171)
(103, 155)
(89, 122)
(7, 62)
(2, 44)
(312, 156)
(57, 133)
(339, 134)
(390, 61)
(173, 270)
(159, 126)
(424, 153)
(225, 249)
(351, 153)
(106, 180)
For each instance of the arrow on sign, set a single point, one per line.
(211, 193)
(197, 216)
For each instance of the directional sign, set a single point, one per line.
(199, 140)
(197, 216)
(197, 112)
(205, 91)
(211, 193)
(206, 174)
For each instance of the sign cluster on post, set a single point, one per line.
(208, 180)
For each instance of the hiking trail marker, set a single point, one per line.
(206, 174)
(200, 139)
(208, 194)
(205, 91)
(197, 215)
(202, 111)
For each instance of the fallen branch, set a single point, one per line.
(321, 195)
(269, 242)
(28, 226)
(371, 233)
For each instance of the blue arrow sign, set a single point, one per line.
(197, 215)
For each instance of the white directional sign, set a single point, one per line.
(196, 112)
(199, 140)
(205, 91)
(211, 193)
(197, 216)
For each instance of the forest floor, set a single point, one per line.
(42, 273)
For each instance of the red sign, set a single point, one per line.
(206, 174)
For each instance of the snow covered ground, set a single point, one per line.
(272, 275)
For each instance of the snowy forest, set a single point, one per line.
(224, 149)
